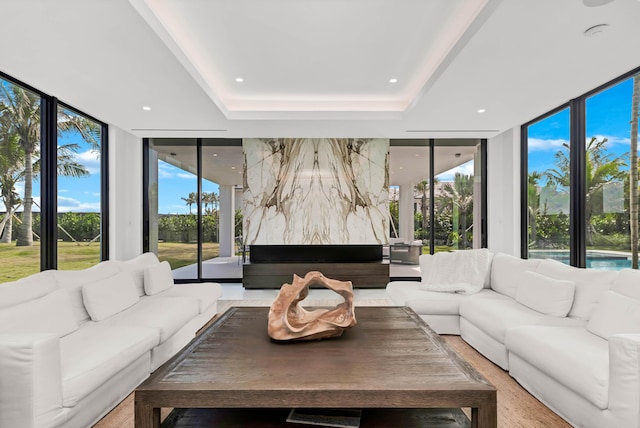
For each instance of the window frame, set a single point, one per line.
(49, 178)
(577, 187)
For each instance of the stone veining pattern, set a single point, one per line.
(316, 191)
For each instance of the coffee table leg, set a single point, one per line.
(146, 416)
(484, 417)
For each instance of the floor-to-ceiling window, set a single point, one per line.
(446, 216)
(194, 206)
(581, 184)
(548, 179)
(53, 201)
(20, 120)
(457, 195)
(78, 163)
(608, 116)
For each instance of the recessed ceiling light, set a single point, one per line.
(458, 155)
(394, 80)
(417, 155)
(233, 167)
(595, 30)
(239, 79)
(215, 155)
(146, 108)
(481, 110)
(401, 167)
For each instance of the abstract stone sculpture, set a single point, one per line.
(288, 320)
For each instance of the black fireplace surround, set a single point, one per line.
(315, 253)
(270, 266)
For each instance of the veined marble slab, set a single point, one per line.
(316, 191)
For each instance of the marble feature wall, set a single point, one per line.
(316, 191)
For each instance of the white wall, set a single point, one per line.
(503, 192)
(125, 194)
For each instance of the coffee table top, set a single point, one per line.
(391, 358)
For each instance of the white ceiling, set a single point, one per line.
(316, 68)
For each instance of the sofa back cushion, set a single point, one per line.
(627, 283)
(52, 313)
(158, 278)
(136, 267)
(590, 284)
(73, 280)
(29, 288)
(109, 296)
(545, 295)
(464, 271)
(506, 272)
(615, 314)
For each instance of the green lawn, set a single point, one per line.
(18, 262)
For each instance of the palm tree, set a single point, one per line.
(459, 195)
(533, 198)
(633, 172)
(11, 173)
(190, 200)
(21, 110)
(209, 199)
(422, 188)
(601, 169)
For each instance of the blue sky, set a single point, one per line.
(608, 115)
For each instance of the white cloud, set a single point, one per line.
(74, 205)
(610, 140)
(538, 144)
(90, 159)
(185, 175)
(464, 169)
(165, 170)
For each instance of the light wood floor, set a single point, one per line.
(516, 407)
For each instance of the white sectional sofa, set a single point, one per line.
(570, 336)
(73, 344)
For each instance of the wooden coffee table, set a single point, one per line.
(390, 360)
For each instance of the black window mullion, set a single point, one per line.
(199, 232)
(145, 195)
(524, 192)
(432, 195)
(483, 194)
(578, 185)
(104, 192)
(48, 183)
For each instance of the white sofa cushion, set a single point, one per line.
(52, 313)
(546, 295)
(109, 296)
(165, 314)
(29, 288)
(136, 267)
(572, 356)
(615, 314)
(506, 272)
(627, 283)
(590, 284)
(73, 280)
(496, 316)
(408, 293)
(95, 353)
(206, 293)
(462, 271)
(158, 278)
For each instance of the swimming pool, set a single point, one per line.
(595, 259)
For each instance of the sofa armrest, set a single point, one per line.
(624, 377)
(30, 380)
